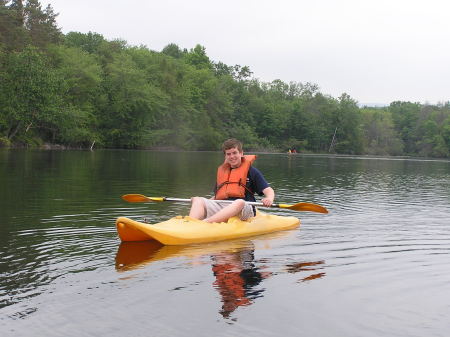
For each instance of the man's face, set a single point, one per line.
(233, 157)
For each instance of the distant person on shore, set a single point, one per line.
(237, 180)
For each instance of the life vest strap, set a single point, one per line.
(231, 182)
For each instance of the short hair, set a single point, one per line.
(230, 144)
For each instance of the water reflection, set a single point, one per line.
(135, 254)
(238, 274)
(138, 254)
(237, 278)
(307, 266)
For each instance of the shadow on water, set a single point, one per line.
(238, 275)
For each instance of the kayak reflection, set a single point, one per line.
(238, 275)
(137, 254)
(132, 255)
(232, 262)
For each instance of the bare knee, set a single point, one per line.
(239, 204)
(198, 210)
(197, 202)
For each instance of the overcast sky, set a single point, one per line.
(377, 51)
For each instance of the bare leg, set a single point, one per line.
(227, 212)
(198, 210)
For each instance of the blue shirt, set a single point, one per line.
(256, 183)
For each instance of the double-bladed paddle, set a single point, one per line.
(301, 206)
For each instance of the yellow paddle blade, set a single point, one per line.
(304, 206)
(140, 198)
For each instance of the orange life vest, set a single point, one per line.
(231, 182)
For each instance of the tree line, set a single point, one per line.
(80, 89)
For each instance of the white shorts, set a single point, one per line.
(212, 207)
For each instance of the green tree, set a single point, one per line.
(132, 105)
(13, 35)
(221, 69)
(405, 116)
(197, 57)
(173, 50)
(380, 137)
(89, 42)
(430, 131)
(21, 24)
(82, 73)
(348, 126)
(273, 120)
(83, 94)
(41, 24)
(446, 134)
(318, 126)
(30, 92)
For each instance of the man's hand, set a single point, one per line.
(267, 202)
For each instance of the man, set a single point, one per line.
(237, 180)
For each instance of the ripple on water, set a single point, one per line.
(34, 258)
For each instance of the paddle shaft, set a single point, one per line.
(220, 201)
(302, 206)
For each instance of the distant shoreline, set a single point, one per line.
(59, 147)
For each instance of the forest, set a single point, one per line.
(80, 90)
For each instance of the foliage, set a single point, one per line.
(22, 23)
(79, 88)
(29, 94)
(380, 137)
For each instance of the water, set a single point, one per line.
(377, 264)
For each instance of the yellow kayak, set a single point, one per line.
(185, 230)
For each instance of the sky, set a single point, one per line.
(376, 51)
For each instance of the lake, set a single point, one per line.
(376, 265)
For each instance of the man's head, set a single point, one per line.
(232, 149)
(231, 143)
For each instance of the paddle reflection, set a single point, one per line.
(306, 267)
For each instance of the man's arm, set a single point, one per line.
(269, 196)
